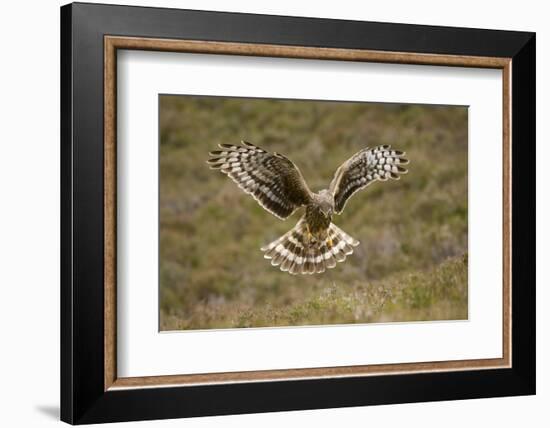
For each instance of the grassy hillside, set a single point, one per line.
(412, 260)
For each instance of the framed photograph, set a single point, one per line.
(265, 213)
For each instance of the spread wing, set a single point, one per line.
(271, 178)
(363, 168)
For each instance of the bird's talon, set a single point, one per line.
(309, 235)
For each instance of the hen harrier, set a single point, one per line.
(315, 243)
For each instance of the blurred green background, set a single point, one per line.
(411, 264)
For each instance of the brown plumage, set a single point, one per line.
(315, 243)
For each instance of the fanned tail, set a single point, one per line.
(295, 253)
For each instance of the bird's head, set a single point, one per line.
(326, 202)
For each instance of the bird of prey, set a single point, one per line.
(315, 243)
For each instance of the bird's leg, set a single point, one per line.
(309, 236)
(329, 241)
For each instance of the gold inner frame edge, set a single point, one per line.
(113, 43)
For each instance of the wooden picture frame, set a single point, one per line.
(91, 390)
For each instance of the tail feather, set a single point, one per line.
(293, 269)
(310, 261)
(295, 254)
(319, 264)
(285, 265)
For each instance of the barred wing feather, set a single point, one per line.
(271, 178)
(363, 168)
